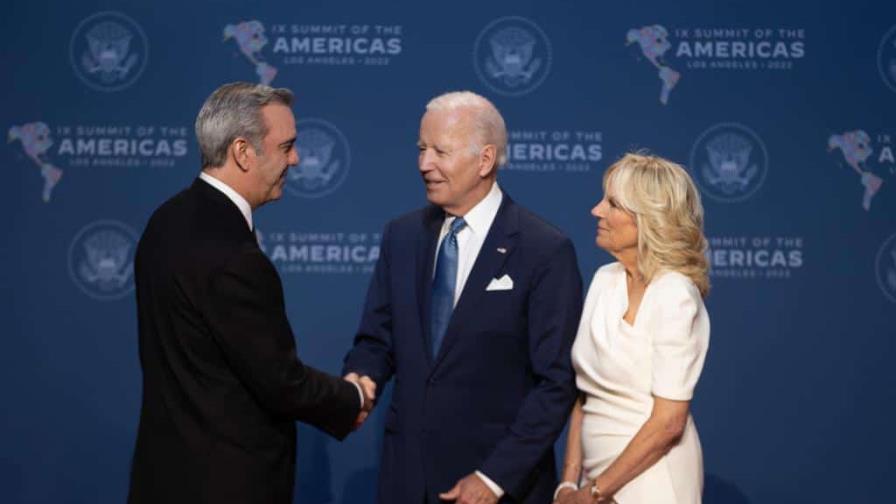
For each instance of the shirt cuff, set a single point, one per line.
(360, 393)
(491, 485)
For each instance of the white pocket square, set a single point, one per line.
(500, 284)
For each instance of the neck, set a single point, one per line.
(629, 261)
(476, 196)
(231, 177)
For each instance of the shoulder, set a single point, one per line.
(414, 221)
(606, 275)
(674, 291)
(173, 208)
(609, 272)
(537, 230)
(165, 224)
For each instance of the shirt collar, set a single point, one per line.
(479, 219)
(234, 196)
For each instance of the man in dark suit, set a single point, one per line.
(222, 385)
(472, 308)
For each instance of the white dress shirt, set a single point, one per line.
(246, 210)
(470, 238)
(469, 241)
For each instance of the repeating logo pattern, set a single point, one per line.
(680, 49)
(36, 140)
(324, 159)
(729, 162)
(315, 44)
(250, 38)
(512, 56)
(554, 151)
(63, 147)
(857, 148)
(654, 43)
(886, 58)
(101, 259)
(322, 252)
(885, 267)
(108, 51)
(744, 257)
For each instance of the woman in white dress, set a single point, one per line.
(641, 344)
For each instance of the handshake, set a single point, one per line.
(368, 389)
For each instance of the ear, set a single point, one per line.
(243, 153)
(488, 161)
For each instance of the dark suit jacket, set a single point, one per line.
(222, 385)
(498, 394)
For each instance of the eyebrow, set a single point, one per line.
(287, 142)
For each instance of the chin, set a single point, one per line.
(435, 198)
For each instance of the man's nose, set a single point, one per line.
(425, 161)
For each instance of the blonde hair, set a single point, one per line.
(666, 205)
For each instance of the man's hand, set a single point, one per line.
(368, 389)
(470, 490)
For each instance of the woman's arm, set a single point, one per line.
(654, 439)
(572, 462)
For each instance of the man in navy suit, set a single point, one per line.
(472, 308)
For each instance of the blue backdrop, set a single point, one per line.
(782, 111)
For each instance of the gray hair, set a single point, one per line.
(487, 121)
(233, 111)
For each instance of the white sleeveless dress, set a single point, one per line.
(621, 367)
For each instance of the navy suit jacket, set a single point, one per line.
(498, 393)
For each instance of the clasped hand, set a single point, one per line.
(368, 388)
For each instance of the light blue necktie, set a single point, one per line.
(443, 285)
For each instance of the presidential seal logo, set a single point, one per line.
(886, 58)
(729, 162)
(108, 51)
(324, 159)
(885, 266)
(101, 260)
(250, 38)
(36, 141)
(512, 56)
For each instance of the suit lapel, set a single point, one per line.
(497, 247)
(426, 254)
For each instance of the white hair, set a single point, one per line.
(487, 121)
(234, 110)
